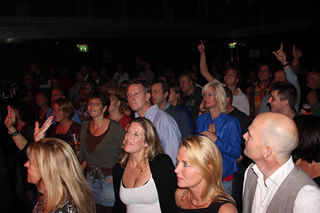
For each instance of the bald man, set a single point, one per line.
(273, 183)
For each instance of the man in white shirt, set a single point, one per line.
(273, 183)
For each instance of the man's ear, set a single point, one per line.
(166, 94)
(285, 102)
(267, 152)
(148, 95)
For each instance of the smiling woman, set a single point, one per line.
(144, 180)
(63, 111)
(101, 140)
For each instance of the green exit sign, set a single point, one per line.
(232, 45)
(83, 48)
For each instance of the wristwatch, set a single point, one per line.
(15, 133)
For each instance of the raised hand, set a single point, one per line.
(201, 47)
(10, 119)
(281, 55)
(41, 133)
(296, 52)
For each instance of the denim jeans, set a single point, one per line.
(102, 195)
(227, 185)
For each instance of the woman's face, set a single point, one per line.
(187, 176)
(134, 139)
(41, 100)
(95, 108)
(33, 175)
(58, 114)
(210, 98)
(173, 96)
(114, 105)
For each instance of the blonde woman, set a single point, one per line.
(144, 180)
(199, 174)
(54, 168)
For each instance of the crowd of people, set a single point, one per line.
(155, 140)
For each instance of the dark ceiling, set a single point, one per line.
(32, 19)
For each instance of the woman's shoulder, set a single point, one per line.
(161, 158)
(115, 124)
(67, 207)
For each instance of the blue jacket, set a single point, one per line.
(228, 131)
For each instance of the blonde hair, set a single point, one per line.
(205, 157)
(220, 94)
(151, 137)
(61, 175)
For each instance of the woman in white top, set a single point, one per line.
(144, 180)
(231, 80)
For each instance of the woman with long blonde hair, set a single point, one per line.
(199, 174)
(144, 180)
(54, 168)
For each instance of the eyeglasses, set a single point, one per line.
(94, 104)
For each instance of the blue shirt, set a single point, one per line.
(181, 118)
(228, 132)
(75, 116)
(167, 130)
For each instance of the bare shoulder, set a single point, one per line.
(228, 208)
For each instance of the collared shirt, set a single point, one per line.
(167, 130)
(307, 200)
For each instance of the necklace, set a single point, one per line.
(200, 205)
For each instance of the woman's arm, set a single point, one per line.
(10, 120)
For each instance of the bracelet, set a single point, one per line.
(15, 133)
(287, 64)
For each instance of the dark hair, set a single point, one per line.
(229, 94)
(24, 111)
(42, 92)
(176, 88)
(188, 75)
(308, 148)
(164, 85)
(144, 83)
(102, 96)
(286, 91)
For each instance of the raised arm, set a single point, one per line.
(10, 120)
(203, 63)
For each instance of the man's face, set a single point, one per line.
(185, 85)
(137, 98)
(157, 96)
(55, 95)
(276, 105)
(231, 77)
(264, 74)
(253, 145)
(279, 76)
